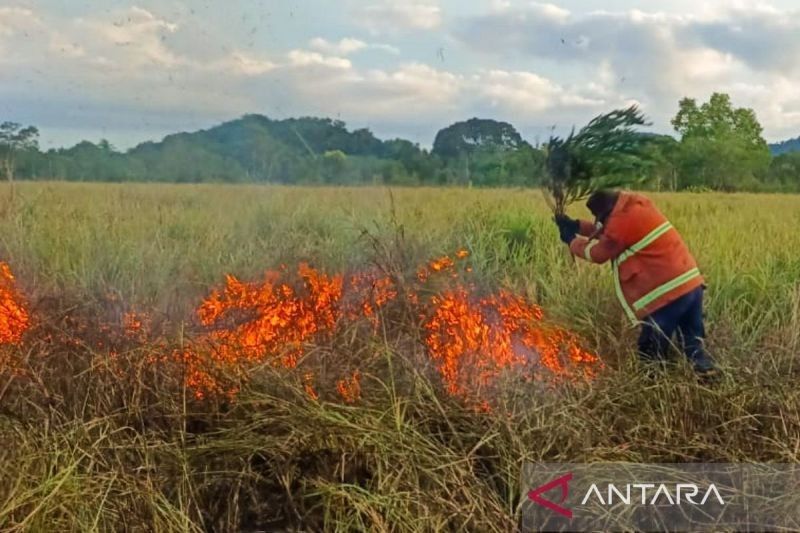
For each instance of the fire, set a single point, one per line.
(308, 385)
(270, 320)
(136, 326)
(275, 321)
(472, 336)
(350, 388)
(14, 318)
(474, 339)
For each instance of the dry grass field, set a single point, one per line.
(110, 421)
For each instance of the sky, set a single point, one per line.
(136, 71)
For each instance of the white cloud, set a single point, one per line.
(136, 35)
(416, 85)
(551, 11)
(499, 5)
(365, 95)
(249, 65)
(121, 59)
(392, 16)
(389, 49)
(344, 47)
(347, 46)
(18, 24)
(305, 58)
(531, 63)
(12, 18)
(653, 57)
(528, 94)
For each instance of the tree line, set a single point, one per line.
(717, 146)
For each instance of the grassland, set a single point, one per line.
(84, 449)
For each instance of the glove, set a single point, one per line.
(567, 228)
(564, 221)
(567, 236)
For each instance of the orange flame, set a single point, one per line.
(136, 326)
(269, 320)
(471, 339)
(308, 385)
(14, 318)
(350, 388)
(274, 322)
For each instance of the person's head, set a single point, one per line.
(601, 203)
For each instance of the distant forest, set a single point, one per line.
(717, 147)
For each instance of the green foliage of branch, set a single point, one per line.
(607, 152)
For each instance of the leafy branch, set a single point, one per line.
(607, 152)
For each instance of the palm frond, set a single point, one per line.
(605, 153)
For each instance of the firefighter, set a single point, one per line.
(656, 278)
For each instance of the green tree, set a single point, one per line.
(87, 161)
(473, 135)
(334, 166)
(525, 166)
(15, 139)
(784, 171)
(477, 148)
(420, 165)
(718, 119)
(721, 146)
(661, 153)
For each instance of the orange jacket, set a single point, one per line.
(652, 265)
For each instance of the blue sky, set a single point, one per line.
(133, 71)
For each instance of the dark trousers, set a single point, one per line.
(683, 317)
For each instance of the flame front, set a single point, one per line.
(254, 321)
(14, 318)
(471, 336)
(471, 339)
(474, 339)
(275, 321)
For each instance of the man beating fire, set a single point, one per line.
(657, 280)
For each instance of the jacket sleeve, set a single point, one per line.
(586, 228)
(597, 250)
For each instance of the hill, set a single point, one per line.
(256, 148)
(311, 150)
(791, 145)
(307, 150)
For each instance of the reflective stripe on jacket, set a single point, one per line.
(651, 263)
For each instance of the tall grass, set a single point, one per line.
(92, 442)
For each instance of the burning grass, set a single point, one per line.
(473, 339)
(275, 321)
(14, 319)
